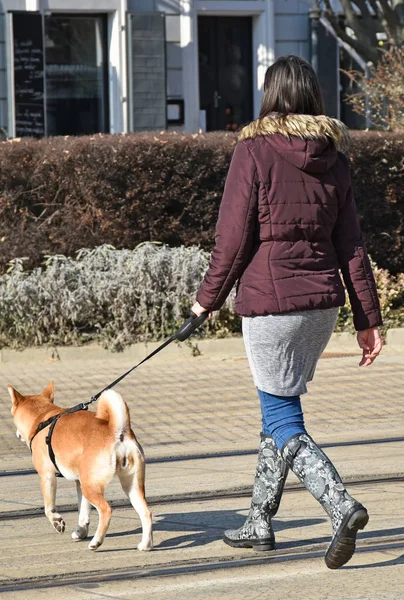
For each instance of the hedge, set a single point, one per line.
(58, 195)
(117, 297)
(114, 297)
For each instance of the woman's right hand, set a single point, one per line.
(371, 343)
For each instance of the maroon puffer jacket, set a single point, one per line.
(288, 223)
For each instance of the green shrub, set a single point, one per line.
(377, 161)
(391, 295)
(118, 297)
(58, 195)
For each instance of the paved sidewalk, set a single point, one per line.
(183, 405)
(183, 479)
(189, 535)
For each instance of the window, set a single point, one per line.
(76, 74)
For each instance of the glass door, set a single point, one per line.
(76, 70)
(225, 71)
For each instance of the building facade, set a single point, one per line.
(70, 67)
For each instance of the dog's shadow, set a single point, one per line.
(202, 528)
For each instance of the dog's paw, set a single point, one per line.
(93, 545)
(80, 534)
(145, 547)
(59, 524)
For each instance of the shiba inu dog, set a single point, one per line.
(89, 448)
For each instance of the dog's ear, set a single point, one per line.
(49, 392)
(15, 396)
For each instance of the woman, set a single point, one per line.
(287, 224)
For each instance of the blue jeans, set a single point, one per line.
(282, 417)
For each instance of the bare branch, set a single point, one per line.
(363, 7)
(348, 10)
(363, 49)
(375, 4)
(366, 18)
(329, 9)
(382, 93)
(391, 17)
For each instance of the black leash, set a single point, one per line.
(182, 334)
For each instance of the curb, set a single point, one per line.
(219, 349)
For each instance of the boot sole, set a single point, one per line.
(343, 545)
(258, 546)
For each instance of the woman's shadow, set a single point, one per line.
(201, 528)
(204, 527)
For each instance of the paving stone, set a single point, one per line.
(201, 405)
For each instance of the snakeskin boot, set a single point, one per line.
(319, 476)
(269, 481)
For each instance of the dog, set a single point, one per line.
(89, 448)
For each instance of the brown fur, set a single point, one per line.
(303, 126)
(90, 448)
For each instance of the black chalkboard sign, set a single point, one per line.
(29, 82)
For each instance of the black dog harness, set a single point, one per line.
(183, 333)
(52, 422)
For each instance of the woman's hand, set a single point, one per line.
(197, 309)
(371, 343)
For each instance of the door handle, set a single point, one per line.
(216, 99)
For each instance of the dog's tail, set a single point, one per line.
(112, 408)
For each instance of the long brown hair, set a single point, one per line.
(291, 86)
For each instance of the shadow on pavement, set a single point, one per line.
(202, 528)
(387, 563)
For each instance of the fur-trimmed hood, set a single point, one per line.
(310, 143)
(306, 127)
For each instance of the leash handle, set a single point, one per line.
(189, 326)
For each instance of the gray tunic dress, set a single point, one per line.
(283, 349)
